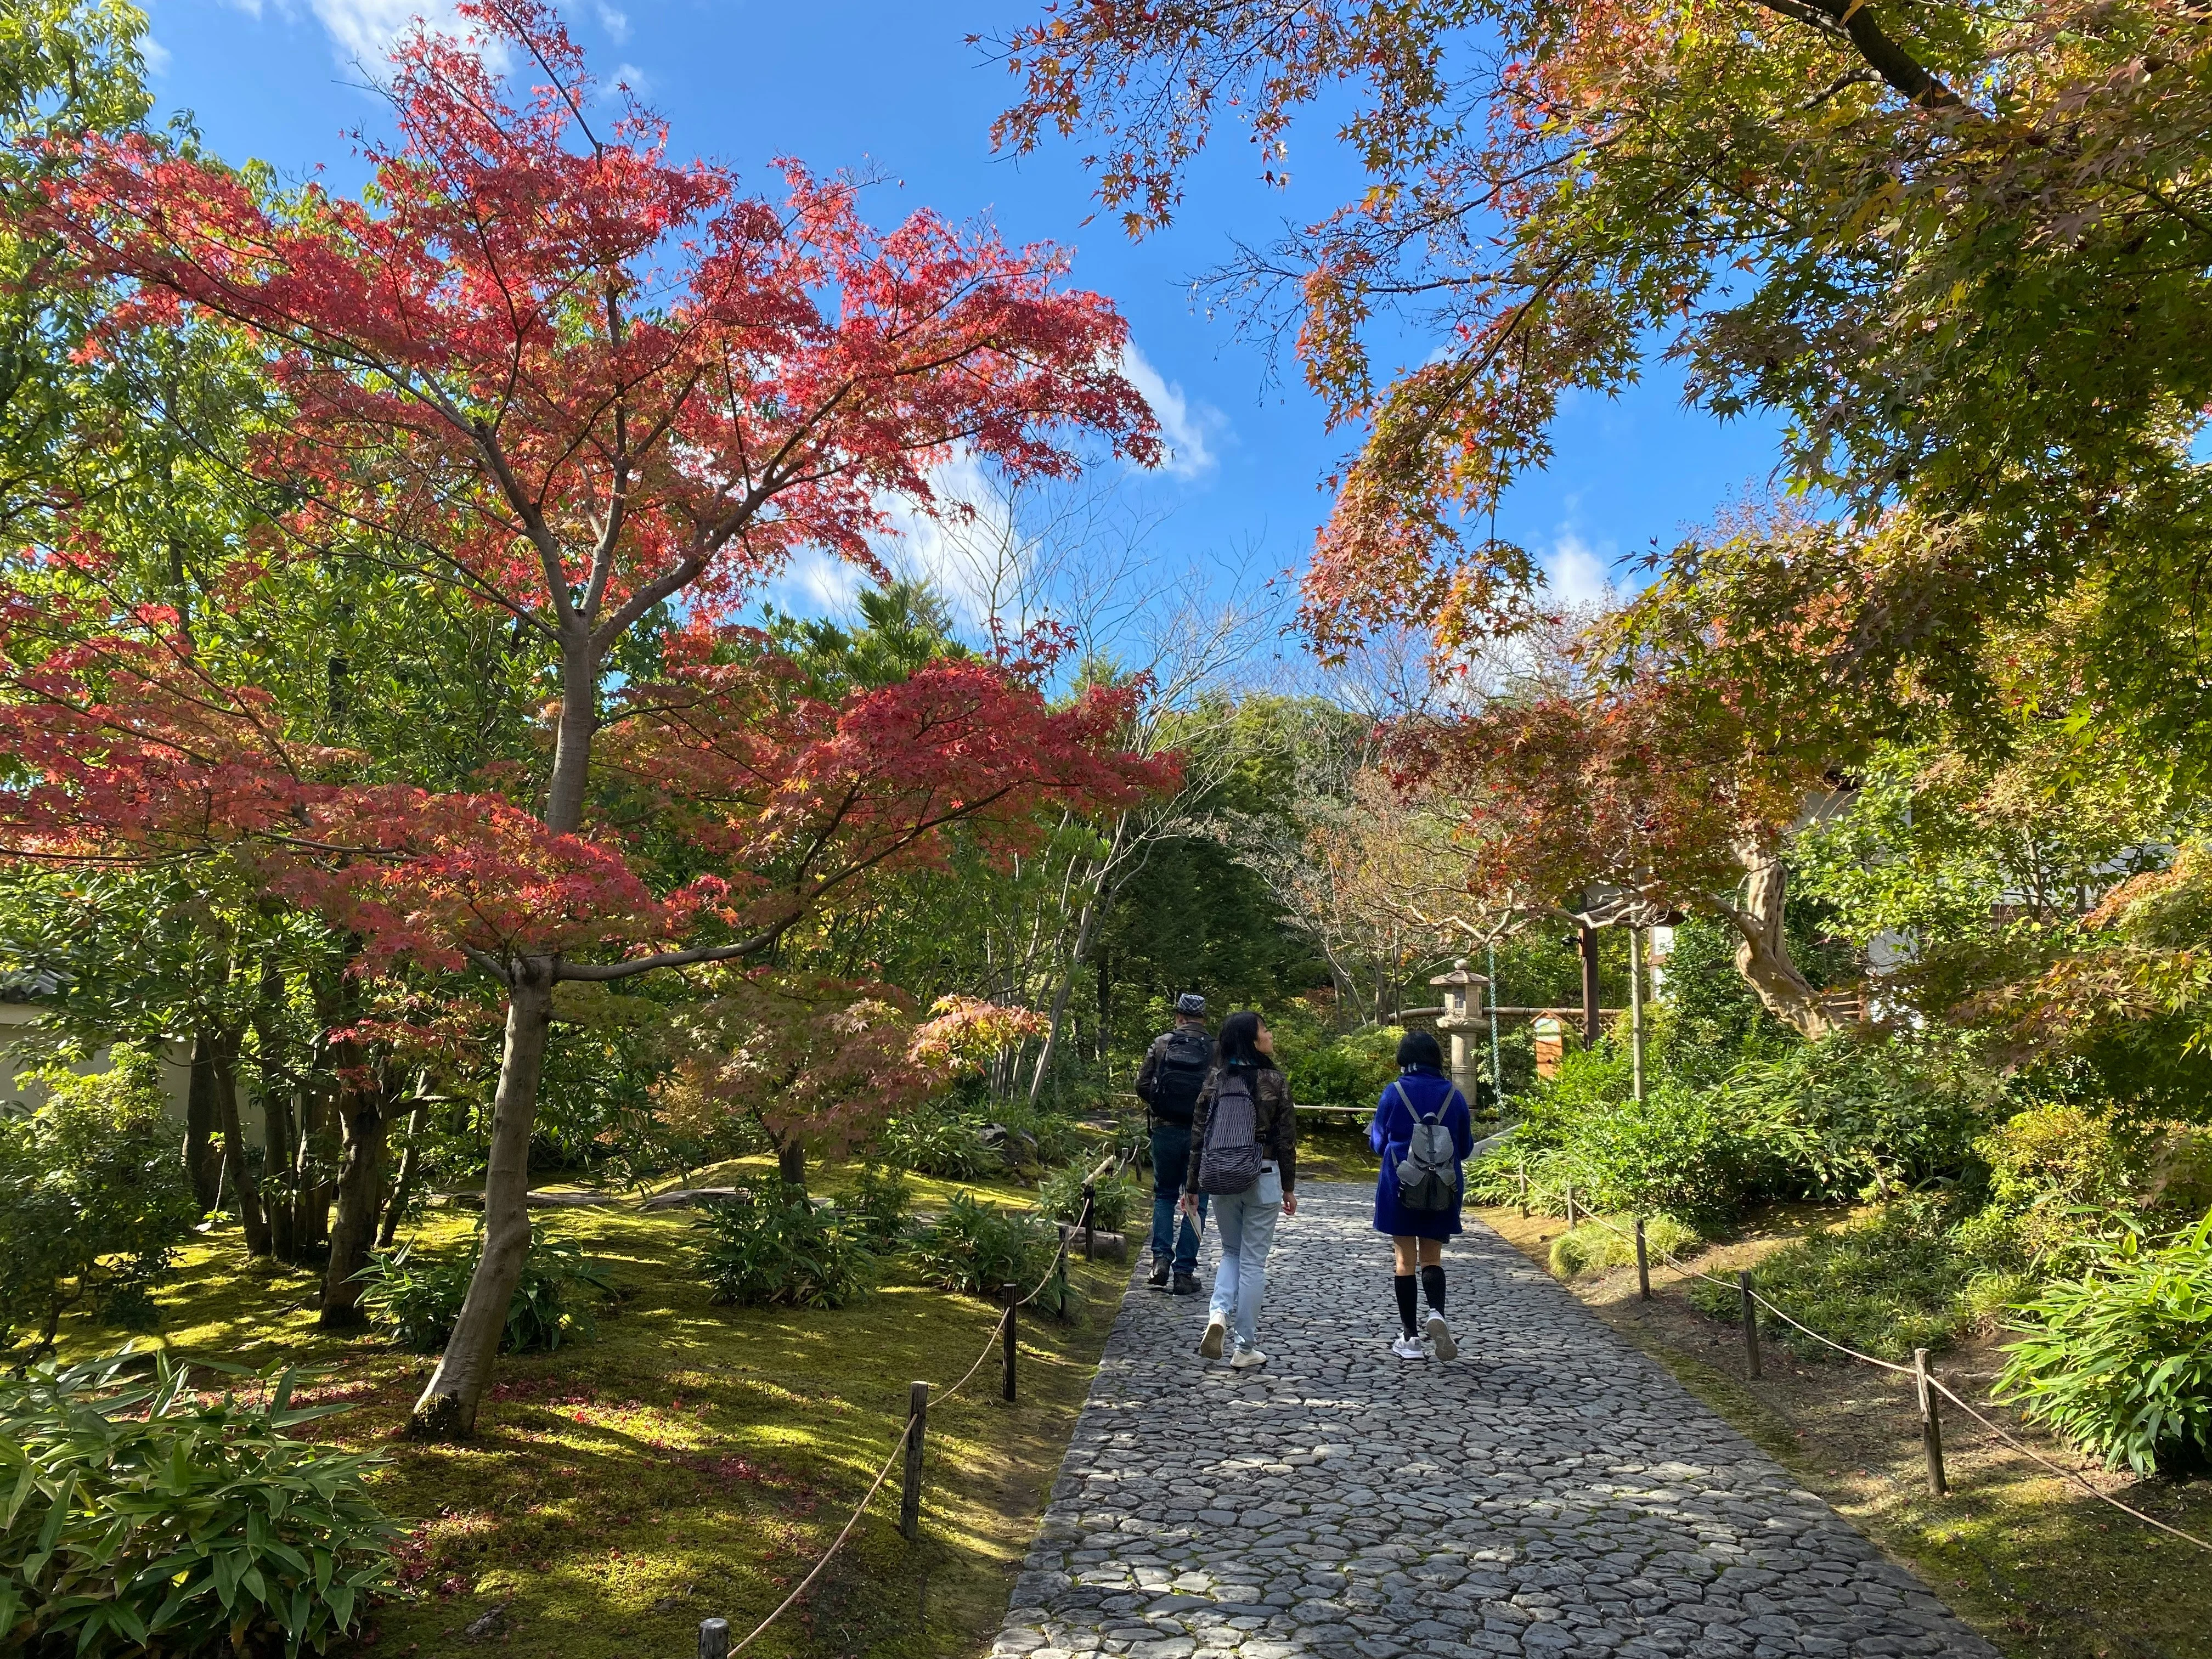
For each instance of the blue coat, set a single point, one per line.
(1393, 1128)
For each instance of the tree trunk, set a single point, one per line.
(251, 1215)
(1762, 953)
(360, 1191)
(310, 1191)
(1586, 943)
(791, 1161)
(409, 1160)
(201, 1159)
(279, 1125)
(447, 1408)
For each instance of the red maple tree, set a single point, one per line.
(580, 385)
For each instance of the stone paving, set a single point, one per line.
(1550, 1493)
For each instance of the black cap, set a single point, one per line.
(1192, 1004)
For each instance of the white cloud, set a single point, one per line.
(1185, 426)
(155, 54)
(614, 22)
(1581, 576)
(627, 74)
(365, 31)
(817, 582)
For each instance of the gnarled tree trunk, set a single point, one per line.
(1762, 953)
(361, 1191)
(447, 1407)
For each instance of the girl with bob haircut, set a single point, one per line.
(1417, 1236)
(1245, 1054)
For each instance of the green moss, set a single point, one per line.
(693, 1461)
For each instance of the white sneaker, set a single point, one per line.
(1409, 1348)
(1217, 1333)
(1440, 1335)
(1246, 1358)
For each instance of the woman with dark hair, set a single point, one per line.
(1418, 1228)
(1246, 1087)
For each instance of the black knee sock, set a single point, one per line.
(1432, 1286)
(1404, 1286)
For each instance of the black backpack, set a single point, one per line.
(1184, 1062)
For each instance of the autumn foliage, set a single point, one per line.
(542, 371)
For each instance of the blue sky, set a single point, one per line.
(854, 83)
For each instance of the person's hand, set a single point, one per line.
(1190, 1204)
(1290, 1203)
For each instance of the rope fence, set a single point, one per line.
(714, 1633)
(1929, 1386)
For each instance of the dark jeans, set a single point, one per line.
(1170, 1160)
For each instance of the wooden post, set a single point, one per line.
(1006, 1347)
(713, 1639)
(1931, 1426)
(1089, 1197)
(1750, 1320)
(1586, 942)
(1636, 1011)
(917, 1417)
(1643, 1263)
(1570, 1207)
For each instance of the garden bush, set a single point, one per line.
(1854, 1117)
(2120, 1360)
(2056, 1173)
(1885, 1284)
(92, 1200)
(1060, 1196)
(1676, 1151)
(782, 1251)
(879, 1209)
(419, 1296)
(1351, 1070)
(1590, 1249)
(935, 1142)
(978, 1248)
(140, 1520)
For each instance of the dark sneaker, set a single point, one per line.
(1186, 1284)
(1158, 1279)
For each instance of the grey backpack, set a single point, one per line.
(1231, 1161)
(1428, 1174)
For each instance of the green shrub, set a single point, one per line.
(1675, 1151)
(1851, 1117)
(979, 1248)
(419, 1296)
(1886, 1285)
(1590, 1249)
(934, 1142)
(780, 1251)
(92, 1200)
(2120, 1360)
(1351, 1071)
(1060, 1195)
(879, 1208)
(140, 1520)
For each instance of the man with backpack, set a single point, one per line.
(1173, 1073)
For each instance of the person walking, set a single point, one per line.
(1244, 1152)
(1423, 1131)
(1174, 1070)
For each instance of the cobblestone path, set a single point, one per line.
(1551, 1492)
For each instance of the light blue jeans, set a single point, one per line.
(1245, 1223)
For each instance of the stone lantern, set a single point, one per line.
(1462, 1013)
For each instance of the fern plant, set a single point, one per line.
(780, 1251)
(2119, 1360)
